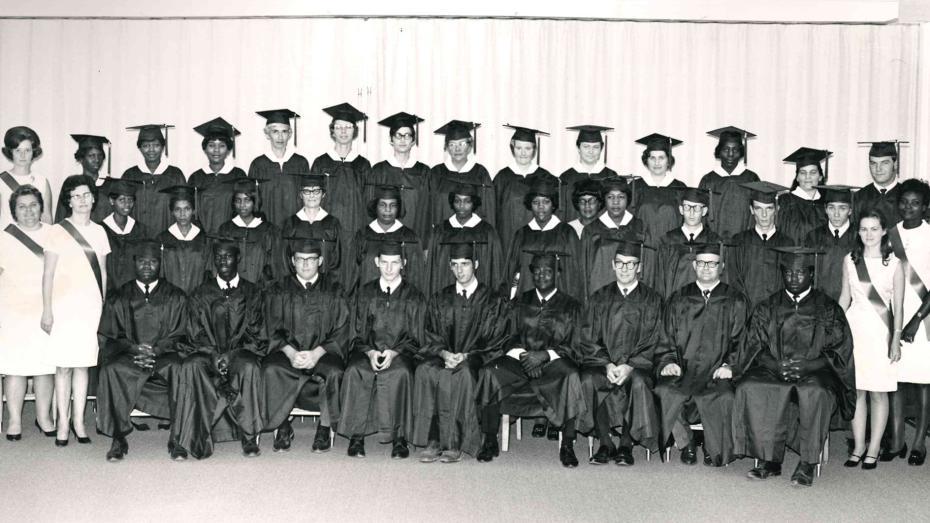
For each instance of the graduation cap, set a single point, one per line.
(525, 134)
(696, 195)
(244, 184)
(462, 245)
(628, 247)
(181, 192)
(659, 142)
(399, 120)
(545, 257)
(232, 239)
(764, 192)
(218, 128)
(281, 116)
(152, 131)
(799, 256)
(592, 134)
(892, 148)
(386, 192)
(730, 133)
(347, 113)
(458, 129)
(390, 248)
(837, 193)
(90, 141)
(304, 245)
(309, 180)
(805, 156)
(116, 187)
(465, 188)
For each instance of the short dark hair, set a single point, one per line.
(919, 187)
(17, 135)
(71, 183)
(87, 146)
(24, 190)
(475, 200)
(396, 127)
(666, 150)
(217, 137)
(181, 197)
(728, 136)
(528, 200)
(797, 169)
(372, 207)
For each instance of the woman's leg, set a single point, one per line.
(923, 417)
(79, 394)
(896, 401)
(858, 424)
(878, 404)
(43, 386)
(15, 389)
(63, 400)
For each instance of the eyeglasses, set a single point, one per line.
(313, 259)
(311, 192)
(82, 196)
(687, 207)
(403, 136)
(706, 264)
(626, 266)
(343, 128)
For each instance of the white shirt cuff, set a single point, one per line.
(515, 353)
(552, 355)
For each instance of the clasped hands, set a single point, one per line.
(305, 359)
(144, 356)
(533, 362)
(452, 359)
(381, 360)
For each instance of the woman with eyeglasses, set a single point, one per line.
(73, 286)
(313, 222)
(22, 147)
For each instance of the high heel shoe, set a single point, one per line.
(48, 433)
(887, 455)
(61, 442)
(850, 463)
(82, 440)
(917, 458)
(14, 437)
(870, 466)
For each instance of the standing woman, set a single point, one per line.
(184, 244)
(213, 195)
(460, 165)
(873, 298)
(155, 175)
(802, 210)
(90, 155)
(314, 222)
(259, 240)
(512, 182)
(73, 284)
(22, 147)
(22, 342)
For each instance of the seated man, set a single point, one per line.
(144, 321)
(466, 326)
(387, 333)
(307, 320)
(219, 382)
(797, 345)
(704, 324)
(622, 323)
(538, 370)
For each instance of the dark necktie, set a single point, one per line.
(691, 238)
(883, 191)
(308, 285)
(765, 237)
(796, 298)
(464, 294)
(836, 233)
(146, 291)
(625, 292)
(387, 290)
(706, 293)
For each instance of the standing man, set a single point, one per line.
(728, 216)
(836, 240)
(278, 193)
(884, 191)
(676, 247)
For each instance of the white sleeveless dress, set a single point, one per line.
(914, 366)
(874, 371)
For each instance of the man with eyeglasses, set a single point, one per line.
(622, 324)
(313, 221)
(797, 373)
(676, 247)
(276, 191)
(402, 170)
(307, 320)
(704, 323)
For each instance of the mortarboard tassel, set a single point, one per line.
(475, 139)
(295, 132)
(416, 131)
(234, 142)
(166, 140)
(538, 155)
(365, 130)
(745, 149)
(109, 156)
(605, 149)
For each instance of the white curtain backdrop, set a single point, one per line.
(825, 86)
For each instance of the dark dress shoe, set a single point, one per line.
(489, 449)
(803, 475)
(567, 456)
(356, 447)
(553, 433)
(765, 470)
(689, 455)
(250, 446)
(321, 441)
(14, 437)
(917, 458)
(61, 442)
(539, 430)
(177, 453)
(603, 455)
(708, 460)
(284, 437)
(118, 450)
(82, 440)
(624, 457)
(48, 433)
(853, 461)
(400, 450)
(870, 466)
(887, 455)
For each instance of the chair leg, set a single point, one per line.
(648, 455)
(668, 454)
(590, 447)
(519, 425)
(560, 439)
(505, 432)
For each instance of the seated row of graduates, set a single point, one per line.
(231, 360)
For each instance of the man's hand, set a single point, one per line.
(451, 360)
(300, 359)
(533, 362)
(374, 358)
(617, 374)
(672, 369)
(387, 357)
(221, 364)
(795, 369)
(144, 356)
(724, 372)
(314, 357)
(910, 330)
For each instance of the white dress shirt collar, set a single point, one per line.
(233, 283)
(549, 225)
(377, 228)
(175, 231)
(110, 222)
(256, 221)
(471, 222)
(469, 289)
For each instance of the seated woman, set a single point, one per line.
(155, 175)
(22, 341)
(512, 182)
(259, 240)
(122, 230)
(22, 147)
(464, 226)
(90, 155)
(312, 221)
(219, 139)
(184, 245)
(386, 208)
(801, 210)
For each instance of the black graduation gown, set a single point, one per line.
(382, 402)
(151, 205)
(441, 181)
(830, 264)
(128, 319)
(345, 190)
(780, 329)
(700, 337)
(413, 183)
(477, 327)
(675, 254)
(328, 231)
(729, 211)
(657, 207)
(567, 182)
(488, 250)
(360, 266)
(887, 203)
(599, 245)
(561, 238)
(753, 265)
(260, 258)
(620, 330)
(554, 325)
(214, 407)
(214, 197)
(304, 319)
(511, 189)
(185, 263)
(279, 194)
(121, 266)
(796, 216)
